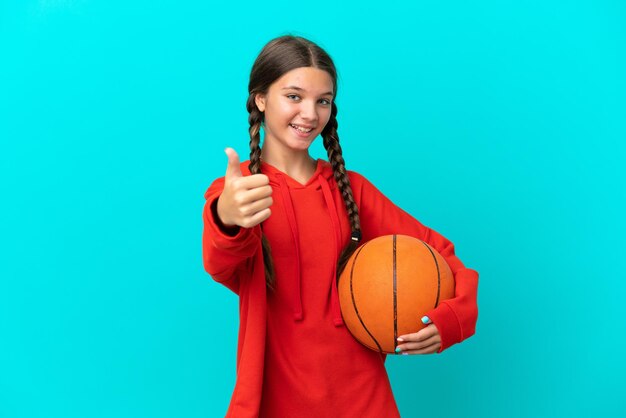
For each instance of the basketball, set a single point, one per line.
(388, 284)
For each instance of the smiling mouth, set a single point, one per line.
(301, 129)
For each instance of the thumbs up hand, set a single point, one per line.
(245, 200)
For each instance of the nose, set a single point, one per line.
(308, 110)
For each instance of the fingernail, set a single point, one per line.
(400, 339)
(426, 320)
(405, 354)
(398, 349)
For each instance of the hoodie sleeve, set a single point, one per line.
(225, 250)
(454, 318)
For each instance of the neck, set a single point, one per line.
(291, 163)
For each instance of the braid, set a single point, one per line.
(335, 157)
(255, 118)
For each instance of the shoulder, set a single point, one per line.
(358, 177)
(362, 189)
(358, 180)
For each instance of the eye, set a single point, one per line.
(325, 102)
(293, 95)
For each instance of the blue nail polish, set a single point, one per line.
(425, 320)
(398, 349)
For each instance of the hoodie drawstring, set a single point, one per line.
(330, 203)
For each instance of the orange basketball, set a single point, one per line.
(388, 284)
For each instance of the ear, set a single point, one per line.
(259, 99)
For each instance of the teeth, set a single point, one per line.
(301, 129)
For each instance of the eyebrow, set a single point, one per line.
(330, 93)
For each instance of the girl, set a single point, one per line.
(279, 228)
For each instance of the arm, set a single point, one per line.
(225, 249)
(454, 318)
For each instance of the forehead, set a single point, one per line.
(311, 79)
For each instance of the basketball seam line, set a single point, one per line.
(395, 297)
(438, 273)
(354, 301)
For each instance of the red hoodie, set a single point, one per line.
(295, 358)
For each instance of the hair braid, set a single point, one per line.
(255, 118)
(335, 157)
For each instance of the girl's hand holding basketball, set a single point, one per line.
(425, 341)
(245, 200)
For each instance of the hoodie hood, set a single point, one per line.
(321, 180)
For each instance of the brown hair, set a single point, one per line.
(277, 57)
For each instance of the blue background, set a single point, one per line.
(500, 124)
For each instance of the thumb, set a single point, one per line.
(233, 169)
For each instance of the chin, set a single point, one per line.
(300, 143)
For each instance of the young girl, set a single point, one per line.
(280, 227)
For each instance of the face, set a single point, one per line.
(297, 107)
